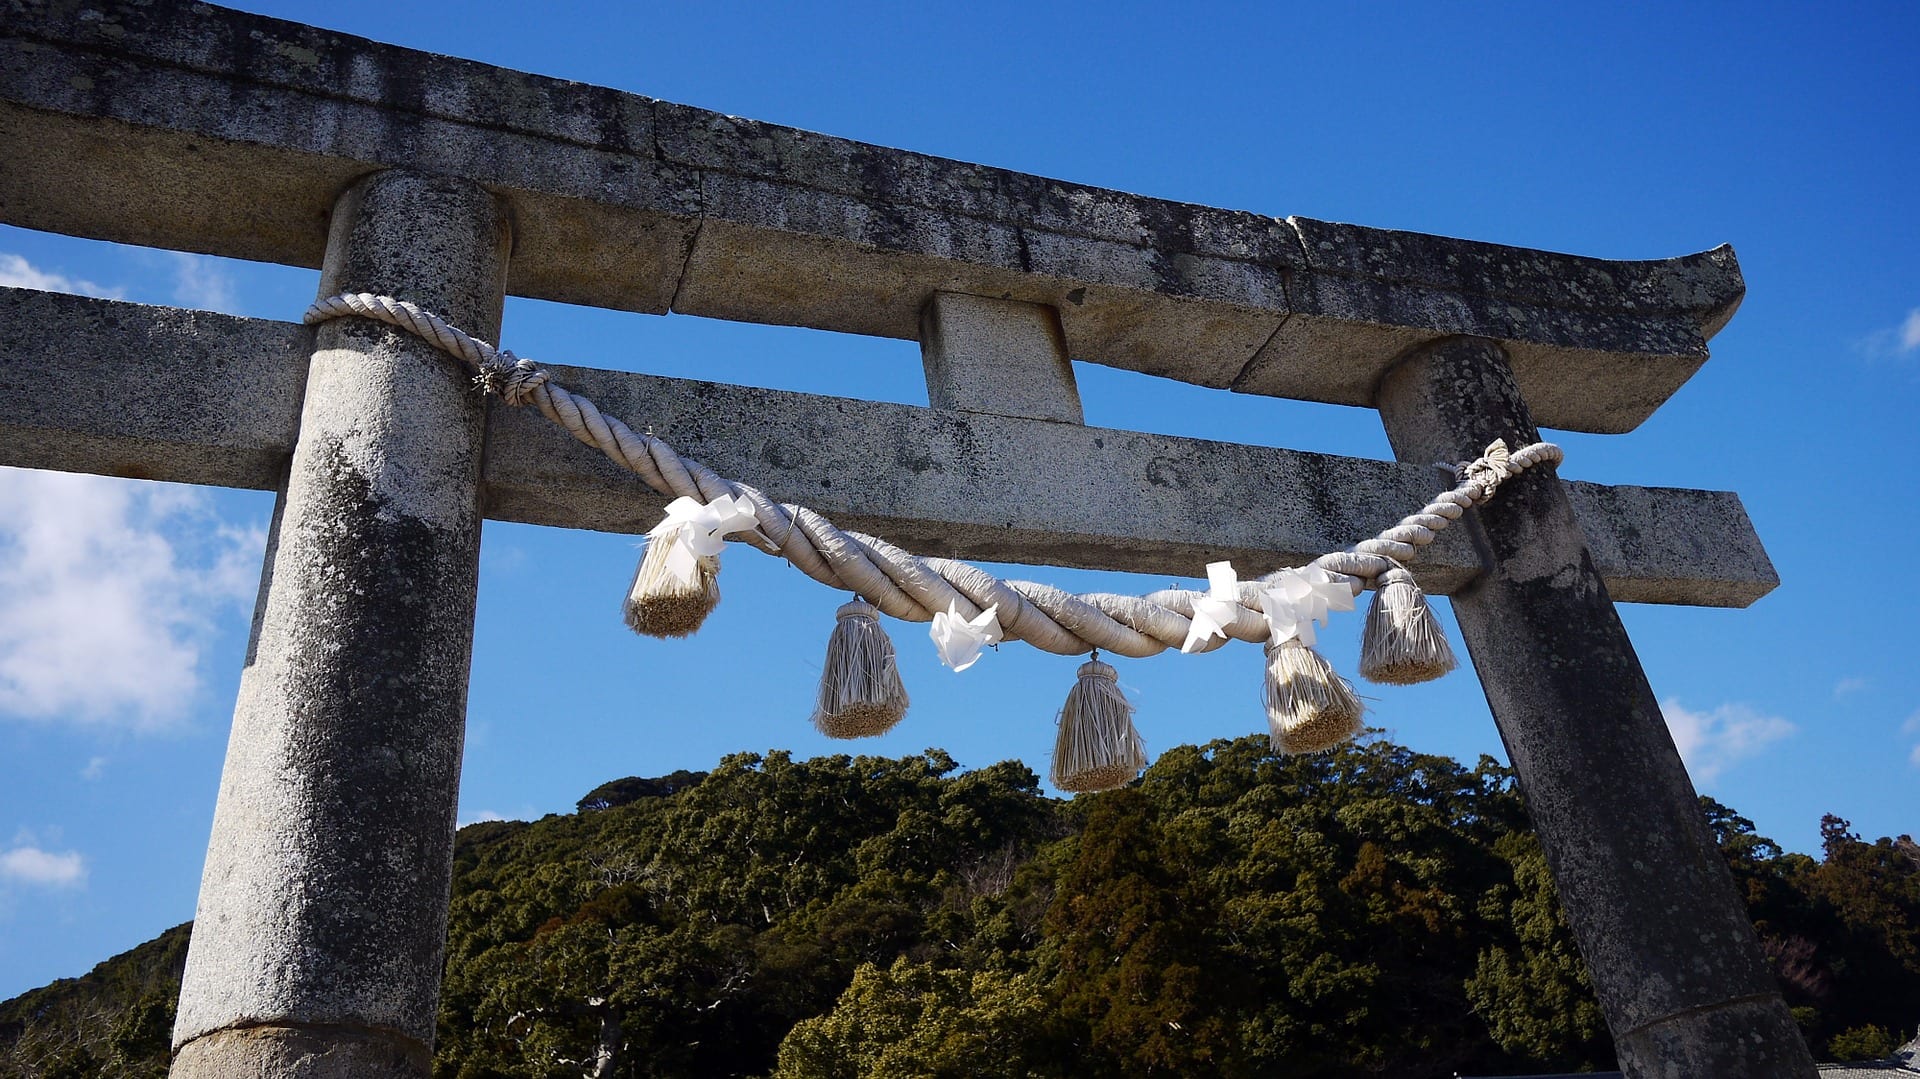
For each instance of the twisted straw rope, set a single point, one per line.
(899, 582)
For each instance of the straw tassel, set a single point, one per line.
(1403, 643)
(1309, 707)
(660, 603)
(860, 690)
(1098, 748)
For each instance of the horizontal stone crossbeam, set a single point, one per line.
(238, 131)
(102, 386)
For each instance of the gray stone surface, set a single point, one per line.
(999, 357)
(1653, 317)
(1673, 958)
(155, 393)
(118, 119)
(940, 482)
(309, 1051)
(324, 896)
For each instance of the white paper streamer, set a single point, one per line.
(696, 530)
(1213, 612)
(960, 640)
(1297, 598)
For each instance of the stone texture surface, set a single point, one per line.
(208, 130)
(118, 118)
(1018, 490)
(324, 897)
(308, 1051)
(983, 487)
(999, 357)
(1674, 960)
(1653, 318)
(156, 393)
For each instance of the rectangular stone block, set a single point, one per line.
(1000, 357)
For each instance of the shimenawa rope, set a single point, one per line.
(903, 584)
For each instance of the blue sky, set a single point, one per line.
(1629, 132)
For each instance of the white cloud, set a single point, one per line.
(189, 280)
(109, 590)
(1847, 686)
(96, 767)
(17, 272)
(1711, 742)
(1894, 341)
(506, 558)
(199, 281)
(31, 865)
(477, 817)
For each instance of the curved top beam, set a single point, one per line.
(199, 128)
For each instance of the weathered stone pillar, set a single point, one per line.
(1672, 954)
(318, 943)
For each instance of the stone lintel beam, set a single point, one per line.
(124, 389)
(151, 393)
(200, 128)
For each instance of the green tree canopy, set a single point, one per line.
(1233, 913)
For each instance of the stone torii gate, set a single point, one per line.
(317, 948)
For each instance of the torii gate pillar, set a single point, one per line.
(1673, 957)
(321, 928)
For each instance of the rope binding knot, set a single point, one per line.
(510, 378)
(1488, 472)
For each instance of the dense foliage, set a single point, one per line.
(1370, 910)
(116, 1020)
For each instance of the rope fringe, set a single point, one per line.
(1309, 707)
(1402, 643)
(660, 604)
(1098, 748)
(860, 690)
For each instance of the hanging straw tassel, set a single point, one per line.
(1403, 643)
(660, 603)
(860, 690)
(1097, 749)
(1309, 707)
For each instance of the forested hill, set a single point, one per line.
(1368, 911)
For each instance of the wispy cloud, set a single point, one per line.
(1848, 686)
(17, 272)
(96, 767)
(1912, 726)
(1894, 342)
(506, 558)
(477, 816)
(1710, 742)
(27, 864)
(200, 281)
(109, 590)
